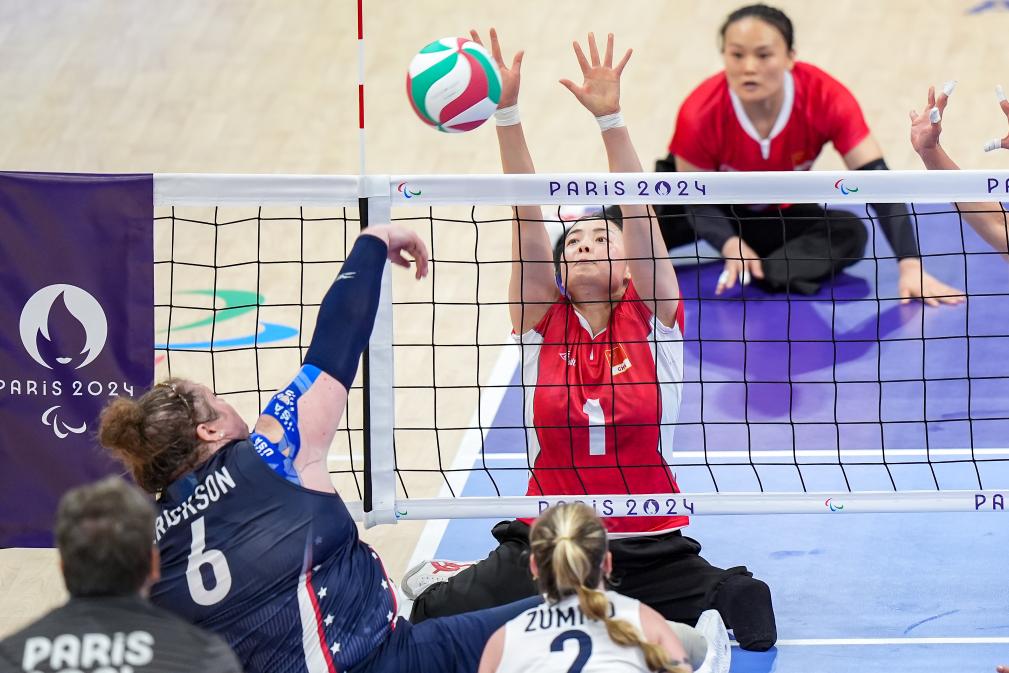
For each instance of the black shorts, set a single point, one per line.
(665, 572)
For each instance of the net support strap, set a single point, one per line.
(381, 463)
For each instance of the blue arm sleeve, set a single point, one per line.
(283, 406)
(347, 312)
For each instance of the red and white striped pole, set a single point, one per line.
(360, 86)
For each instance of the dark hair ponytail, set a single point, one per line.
(769, 15)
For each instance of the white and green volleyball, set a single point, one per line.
(453, 85)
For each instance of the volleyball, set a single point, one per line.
(453, 85)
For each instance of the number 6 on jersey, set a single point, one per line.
(219, 571)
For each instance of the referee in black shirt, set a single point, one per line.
(105, 535)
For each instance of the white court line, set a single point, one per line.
(995, 640)
(469, 448)
(358, 459)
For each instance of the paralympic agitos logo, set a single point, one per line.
(236, 303)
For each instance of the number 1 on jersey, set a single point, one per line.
(199, 557)
(597, 427)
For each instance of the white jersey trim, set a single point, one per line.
(315, 658)
(779, 124)
(531, 345)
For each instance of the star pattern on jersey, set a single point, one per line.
(343, 636)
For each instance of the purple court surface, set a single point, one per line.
(846, 389)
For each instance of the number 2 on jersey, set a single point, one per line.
(597, 426)
(584, 648)
(199, 557)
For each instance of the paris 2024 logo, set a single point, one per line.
(63, 356)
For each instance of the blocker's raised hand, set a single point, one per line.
(510, 77)
(600, 88)
(927, 126)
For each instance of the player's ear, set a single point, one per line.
(206, 433)
(533, 570)
(607, 564)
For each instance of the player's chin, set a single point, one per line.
(751, 94)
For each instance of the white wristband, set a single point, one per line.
(507, 116)
(607, 122)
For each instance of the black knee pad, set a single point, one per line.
(745, 604)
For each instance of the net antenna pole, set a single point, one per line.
(360, 90)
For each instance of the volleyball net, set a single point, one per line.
(840, 400)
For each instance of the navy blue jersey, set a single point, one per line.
(277, 569)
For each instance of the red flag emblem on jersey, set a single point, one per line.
(618, 360)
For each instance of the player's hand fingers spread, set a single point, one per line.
(495, 47)
(593, 51)
(517, 62)
(572, 87)
(623, 62)
(583, 63)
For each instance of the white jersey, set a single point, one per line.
(559, 638)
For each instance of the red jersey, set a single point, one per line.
(714, 133)
(600, 408)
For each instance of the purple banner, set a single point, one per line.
(77, 300)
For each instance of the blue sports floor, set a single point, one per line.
(926, 592)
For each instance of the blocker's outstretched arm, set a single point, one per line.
(532, 288)
(651, 269)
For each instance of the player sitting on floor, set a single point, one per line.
(769, 112)
(611, 633)
(602, 351)
(255, 543)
